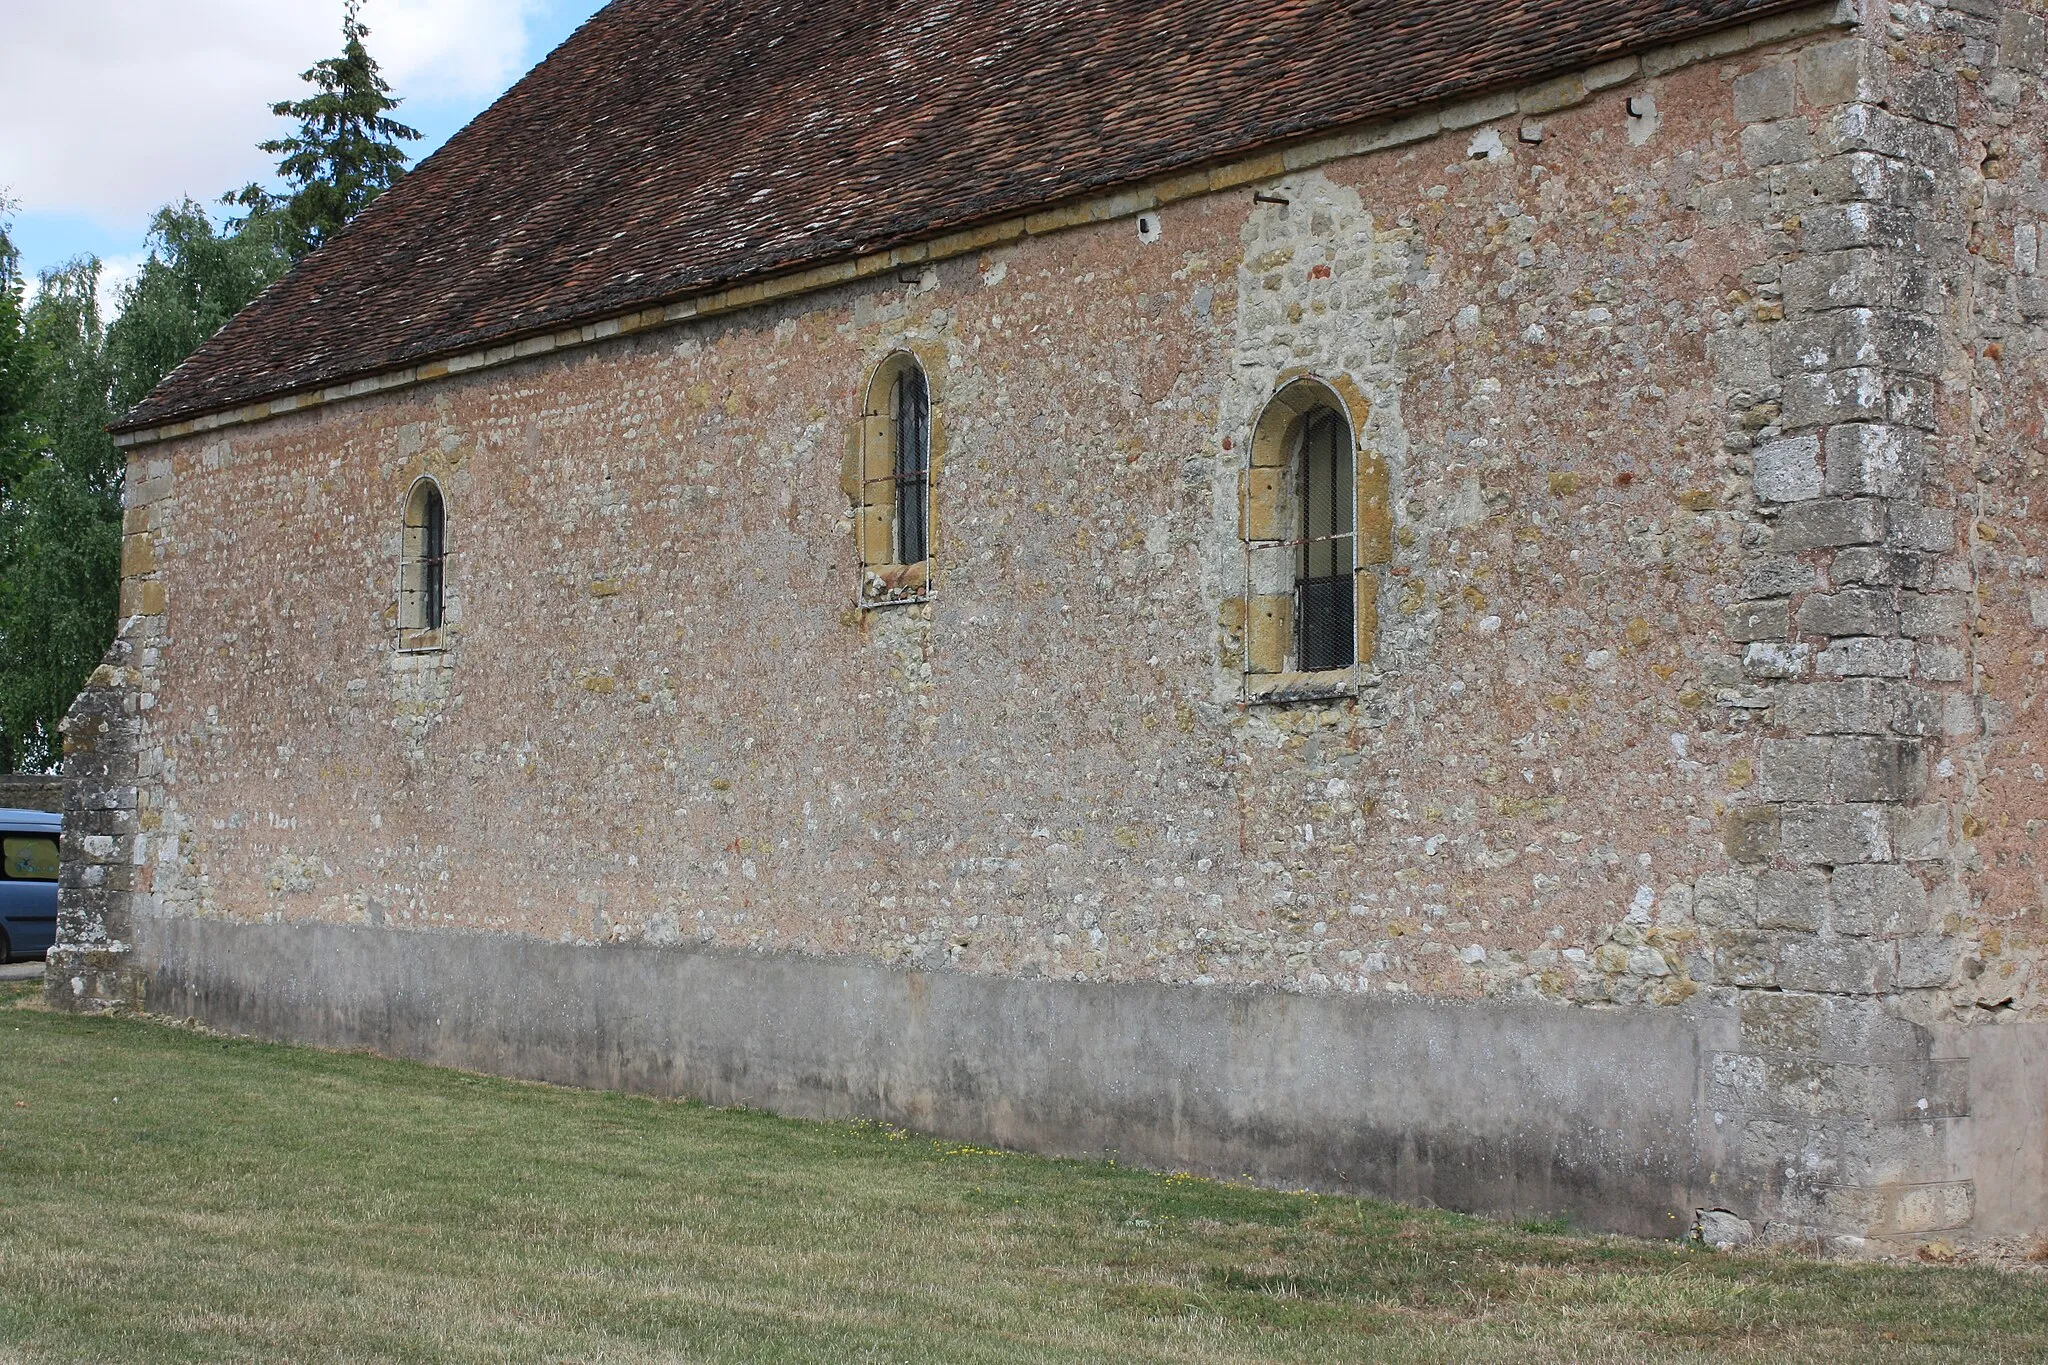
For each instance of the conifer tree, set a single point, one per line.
(346, 151)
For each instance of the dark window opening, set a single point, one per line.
(1325, 607)
(433, 557)
(913, 467)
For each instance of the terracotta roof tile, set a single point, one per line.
(674, 147)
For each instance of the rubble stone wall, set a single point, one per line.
(1678, 698)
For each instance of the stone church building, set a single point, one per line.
(1437, 600)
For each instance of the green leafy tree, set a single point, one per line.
(60, 518)
(346, 151)
(17, 427)
(192, 281)
(64, 375)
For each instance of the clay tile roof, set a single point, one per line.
(674, 147)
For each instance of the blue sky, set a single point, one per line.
(112, 107)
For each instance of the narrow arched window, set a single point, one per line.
(889, 477)
(422, 583)
(1316, 525)
(1324, 595)
(913, 466)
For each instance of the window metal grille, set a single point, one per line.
(913, 467)
(423, 568)
(433, 558)
(1324, 610)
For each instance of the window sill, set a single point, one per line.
(1279, 689)
(895, 585)
(423, 641)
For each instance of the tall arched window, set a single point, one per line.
(422, 576)
(913, 455)
(1316, 519)
(1325, 563)
(888, 479)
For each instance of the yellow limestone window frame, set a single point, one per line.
(1280, 548)
(882, 455)
(423, 567)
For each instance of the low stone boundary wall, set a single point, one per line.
(31, 791)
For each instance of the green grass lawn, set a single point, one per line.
(175, 1197)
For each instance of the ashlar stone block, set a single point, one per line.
(1841, 72)
(1830, 835)
(1874, 459)
(1879, 900)
(1827, 522)
(1844, 966)
(1788, 470)
(1797, 900)
(1852, 611)
(1766, 94)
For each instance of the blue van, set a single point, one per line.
(28, 882)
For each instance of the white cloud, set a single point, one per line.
(112, 107)
(115, 274)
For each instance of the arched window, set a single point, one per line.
(1326, 563)
(888, 479)
(422, 576)
(1315, 521)
(913, 456)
